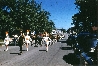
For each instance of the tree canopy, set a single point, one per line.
(87, 17)
(23, 15)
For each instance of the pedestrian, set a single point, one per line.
(46, 39)
(27, 39)
(6, 40)
(33, 39)
(15, 39)
(52, 39)
(21, 41)
(36, 40)
(39, 37)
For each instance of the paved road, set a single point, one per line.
(59, 54)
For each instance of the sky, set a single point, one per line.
(61, 11)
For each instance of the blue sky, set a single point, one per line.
(61, 11)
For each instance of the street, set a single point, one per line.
(59, 54)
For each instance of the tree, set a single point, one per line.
(87, 17)
(23, 15)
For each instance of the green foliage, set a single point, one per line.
(23, 15)
(87, 17)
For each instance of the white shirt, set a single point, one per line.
(46, 39)
(6, 40)
(27, 39)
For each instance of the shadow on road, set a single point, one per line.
(71, 59)
(66, 48)
(23, 50)
(14, 53)
(42, 50)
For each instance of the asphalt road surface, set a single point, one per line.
(59, 54)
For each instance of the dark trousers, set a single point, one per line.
(20, 48)
(20, 45)
(40, 41)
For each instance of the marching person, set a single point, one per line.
(6, 41)
(47, 41)
(21, 41)
(27, 39)
(39, 39)
(52, 39)
(33, 39)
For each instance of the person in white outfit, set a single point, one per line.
(27, 39)
(6, 41)
(47, 41)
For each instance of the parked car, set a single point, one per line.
(71, 40)
(87, 41)
(86, 46)
(61, 36)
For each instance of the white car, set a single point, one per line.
(61, 36)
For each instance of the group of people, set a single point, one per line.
(26, 38)
(21, 40)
